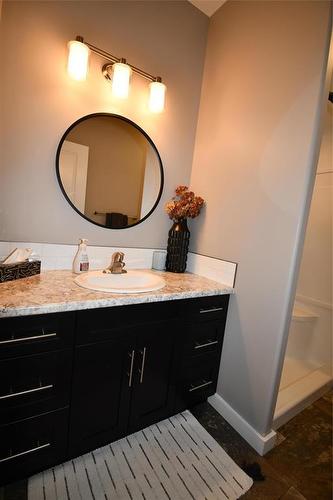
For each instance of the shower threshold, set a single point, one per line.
(302, 383)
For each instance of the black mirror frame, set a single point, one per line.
(127, 120)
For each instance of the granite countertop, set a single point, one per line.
(55, 291)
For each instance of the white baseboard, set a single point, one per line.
(262, 444)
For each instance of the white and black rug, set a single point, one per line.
(176, 459)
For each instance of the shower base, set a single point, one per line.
(302, 383)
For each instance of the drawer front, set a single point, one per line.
(32, 445)
(198, 381)
(31, 385)
(98, 325)
(208, 308)
(33, 334)
(205, 337)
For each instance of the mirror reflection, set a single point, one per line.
(109, 170)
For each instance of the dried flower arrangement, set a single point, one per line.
(185, 204)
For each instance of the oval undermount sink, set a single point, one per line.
(134, 281)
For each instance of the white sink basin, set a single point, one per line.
(134, 281)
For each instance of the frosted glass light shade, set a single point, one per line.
(156, 97)
(78, 57)
(121, 74)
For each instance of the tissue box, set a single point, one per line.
(9, 272)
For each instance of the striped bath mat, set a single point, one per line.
(172, 460)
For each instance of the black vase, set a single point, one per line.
(178, 241)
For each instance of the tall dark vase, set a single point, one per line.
(178, 241)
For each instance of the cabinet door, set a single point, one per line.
(101, 392)
(154, 379)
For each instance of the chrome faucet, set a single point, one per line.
(117, 264)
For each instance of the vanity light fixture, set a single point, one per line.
(121, 73)
(78, 57)
(117, 70)
(156, 96)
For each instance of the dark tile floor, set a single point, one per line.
(300, 467)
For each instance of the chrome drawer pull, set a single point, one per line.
(29, 391)
(141, 371)
(211, 310)
(211, 342)
(205, 384)
(25, 452)
(130, 374)
(34, 337)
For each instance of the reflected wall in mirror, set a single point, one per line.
(109, 170)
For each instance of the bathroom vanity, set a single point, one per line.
(80, 369)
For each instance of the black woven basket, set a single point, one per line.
(9, 272)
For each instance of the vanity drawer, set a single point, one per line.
(32, 334)
(31, 385)
(99, 325)
(32, 445)
(204, 337)
(198, 381)
(208, 308)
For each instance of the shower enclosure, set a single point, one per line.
(307, 369)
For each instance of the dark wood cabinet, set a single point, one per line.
(72, 382)
(101, 392)
(123, 384)
(154, 375)
(204, 326)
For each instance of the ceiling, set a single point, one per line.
(208, 6)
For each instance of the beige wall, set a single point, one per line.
(39, 102)
(116, 166)
(255, 150)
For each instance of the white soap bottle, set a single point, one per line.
(81, 260)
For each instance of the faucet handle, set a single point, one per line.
(121, 261)
(117, 264)
(117, 257)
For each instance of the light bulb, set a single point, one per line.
(156, 97)
(121, 73)
(78, 56)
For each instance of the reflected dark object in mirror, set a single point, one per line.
(116, 221)
(109, 170)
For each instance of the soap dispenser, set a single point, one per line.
(81, 260)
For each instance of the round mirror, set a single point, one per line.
(109, 170)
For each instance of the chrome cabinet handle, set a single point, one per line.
(37, 448)
(130, 374)
(141, 371)
(210, 342)
(29, 391)
(211, 310)
(33, 337)
(195, 388)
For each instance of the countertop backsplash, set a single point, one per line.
(57, 257)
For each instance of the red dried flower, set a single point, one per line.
(185, 204)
